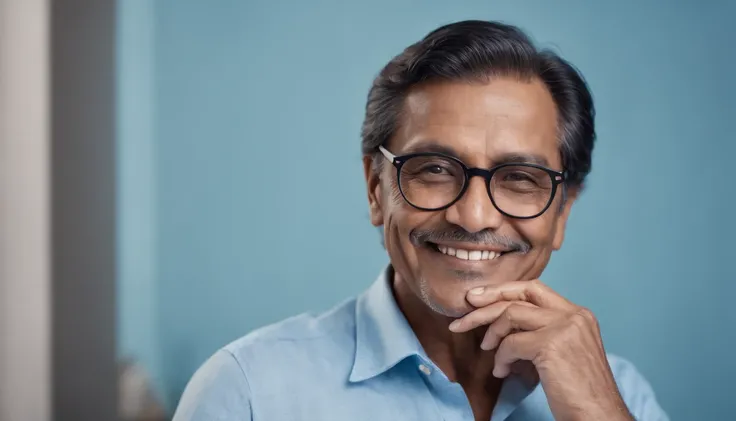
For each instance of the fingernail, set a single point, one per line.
(455, 325)
(477, 291)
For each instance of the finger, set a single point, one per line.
(517, 317)
(515, 347)
(483, 316)
(534, 292)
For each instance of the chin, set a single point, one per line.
(448, 301)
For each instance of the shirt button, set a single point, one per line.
(424, 369)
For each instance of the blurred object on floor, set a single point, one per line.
(138, 401)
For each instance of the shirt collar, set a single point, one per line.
(384, 339)
(383, 335)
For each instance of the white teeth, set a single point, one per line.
(468, 254)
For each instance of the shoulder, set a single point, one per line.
(305, 332)
(219, 390)
(636, 390)
(224, 387)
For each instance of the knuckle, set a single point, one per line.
(498, 329)
(587, 316)
(582, 319)
(536, 283)
(577, 320)
(506, 306)
(547, 351)
(587, 313)
(506, 346)
(544, 358)
(511, 312)
(536, 289)
(554, 344)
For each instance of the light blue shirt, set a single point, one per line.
(359, 361)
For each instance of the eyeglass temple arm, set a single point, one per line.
(386, 153)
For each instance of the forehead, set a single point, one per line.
(481, 121)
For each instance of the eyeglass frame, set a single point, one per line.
(398, 161)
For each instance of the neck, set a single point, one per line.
(458, 355)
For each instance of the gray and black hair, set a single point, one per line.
(477, 51)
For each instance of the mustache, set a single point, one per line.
(485, 237)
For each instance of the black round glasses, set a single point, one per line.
(432, 181)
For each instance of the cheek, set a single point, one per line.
(395, 214)
(400, 219)
(540, 232)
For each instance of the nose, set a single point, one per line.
(474, 211)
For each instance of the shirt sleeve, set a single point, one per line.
(637, 393)
(218, 391)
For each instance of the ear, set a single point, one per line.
(564, 213)
(373, 184)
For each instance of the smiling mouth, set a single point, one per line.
(463, 254)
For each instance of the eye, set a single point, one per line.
(431, 168)
(518, 176)
(435, 169)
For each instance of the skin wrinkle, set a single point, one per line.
(482, 93)
(482, 123)
(466, 129)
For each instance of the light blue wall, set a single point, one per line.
(259, 202)
(137, 287)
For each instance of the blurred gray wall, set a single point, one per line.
(25, 313)
(57, 231)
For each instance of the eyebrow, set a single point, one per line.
(507, 158)
(431, 147)
(521, 158)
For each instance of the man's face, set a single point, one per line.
(482, 125)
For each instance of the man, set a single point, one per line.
(475, 147)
